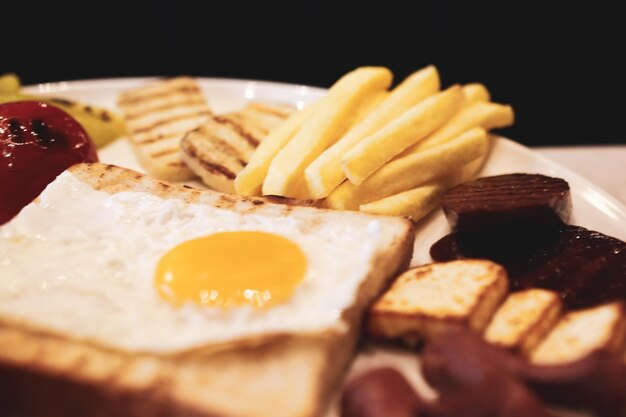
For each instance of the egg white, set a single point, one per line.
(81, 262)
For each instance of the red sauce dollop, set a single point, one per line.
(38, 141)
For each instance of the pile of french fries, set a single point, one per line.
(362, 147)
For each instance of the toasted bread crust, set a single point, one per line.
(290, 376)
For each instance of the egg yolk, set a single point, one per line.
(231, 269)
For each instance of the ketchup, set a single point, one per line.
(38, 141)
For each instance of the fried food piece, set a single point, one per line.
(484, 114)
(513, 201)
(330, 120)
(595, 382)
(324, 174)
(475, 379)
(414, 204)
(408, 128)
(418, 202)
(582, 332)
(475, 92)
(426, 301)
(409, 172)
(524, 319)
(381, 392)
(250, 180)
(585, 267)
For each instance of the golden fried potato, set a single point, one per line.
(475, 92)
(405, 130)
(414, 204)
(483, 114)
(411, 171)
(324, 174)
(330, 120)
(420, 201)
(250, 180)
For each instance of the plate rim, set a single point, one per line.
(109, 82)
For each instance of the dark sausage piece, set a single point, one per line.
(597, 382)
(475, 379)
(512, 201)
(587, 268)
(380, 393)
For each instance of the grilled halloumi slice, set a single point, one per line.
(158, 116)
(425, 301)
(524, 319)
(221, 147)
(582, 332)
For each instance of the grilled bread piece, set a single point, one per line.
(425, 301)
(582, 332)
(291, 375)
(524, 319)
(157, 117)
(221, 147)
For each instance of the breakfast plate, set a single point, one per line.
(592, 207)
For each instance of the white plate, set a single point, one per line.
(592, 207)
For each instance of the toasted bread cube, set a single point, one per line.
(524, 319)
(581, 333)
(426, 301)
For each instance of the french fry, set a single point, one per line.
(475, 92)
(415, 203)
(324, 174)
(418, 202)
(411, 171)
(405, 130)
(367, 108)
(486, 115)
(330, 120)
(250, 180)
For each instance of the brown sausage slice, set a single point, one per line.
(517, 201)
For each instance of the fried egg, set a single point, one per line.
(133, 271)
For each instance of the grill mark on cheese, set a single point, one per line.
(215, 168)
(165, 107)
(206, 157)
(170, 120)
(238, 128)
(164, 152)
(158, 138)
(273, 111)
(139, 97)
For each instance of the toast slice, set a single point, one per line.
(524, 319)
(221, 147)
(290, 375)
(157, 117)
(582, 332)
(424, 302)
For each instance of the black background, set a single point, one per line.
(558, 63)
